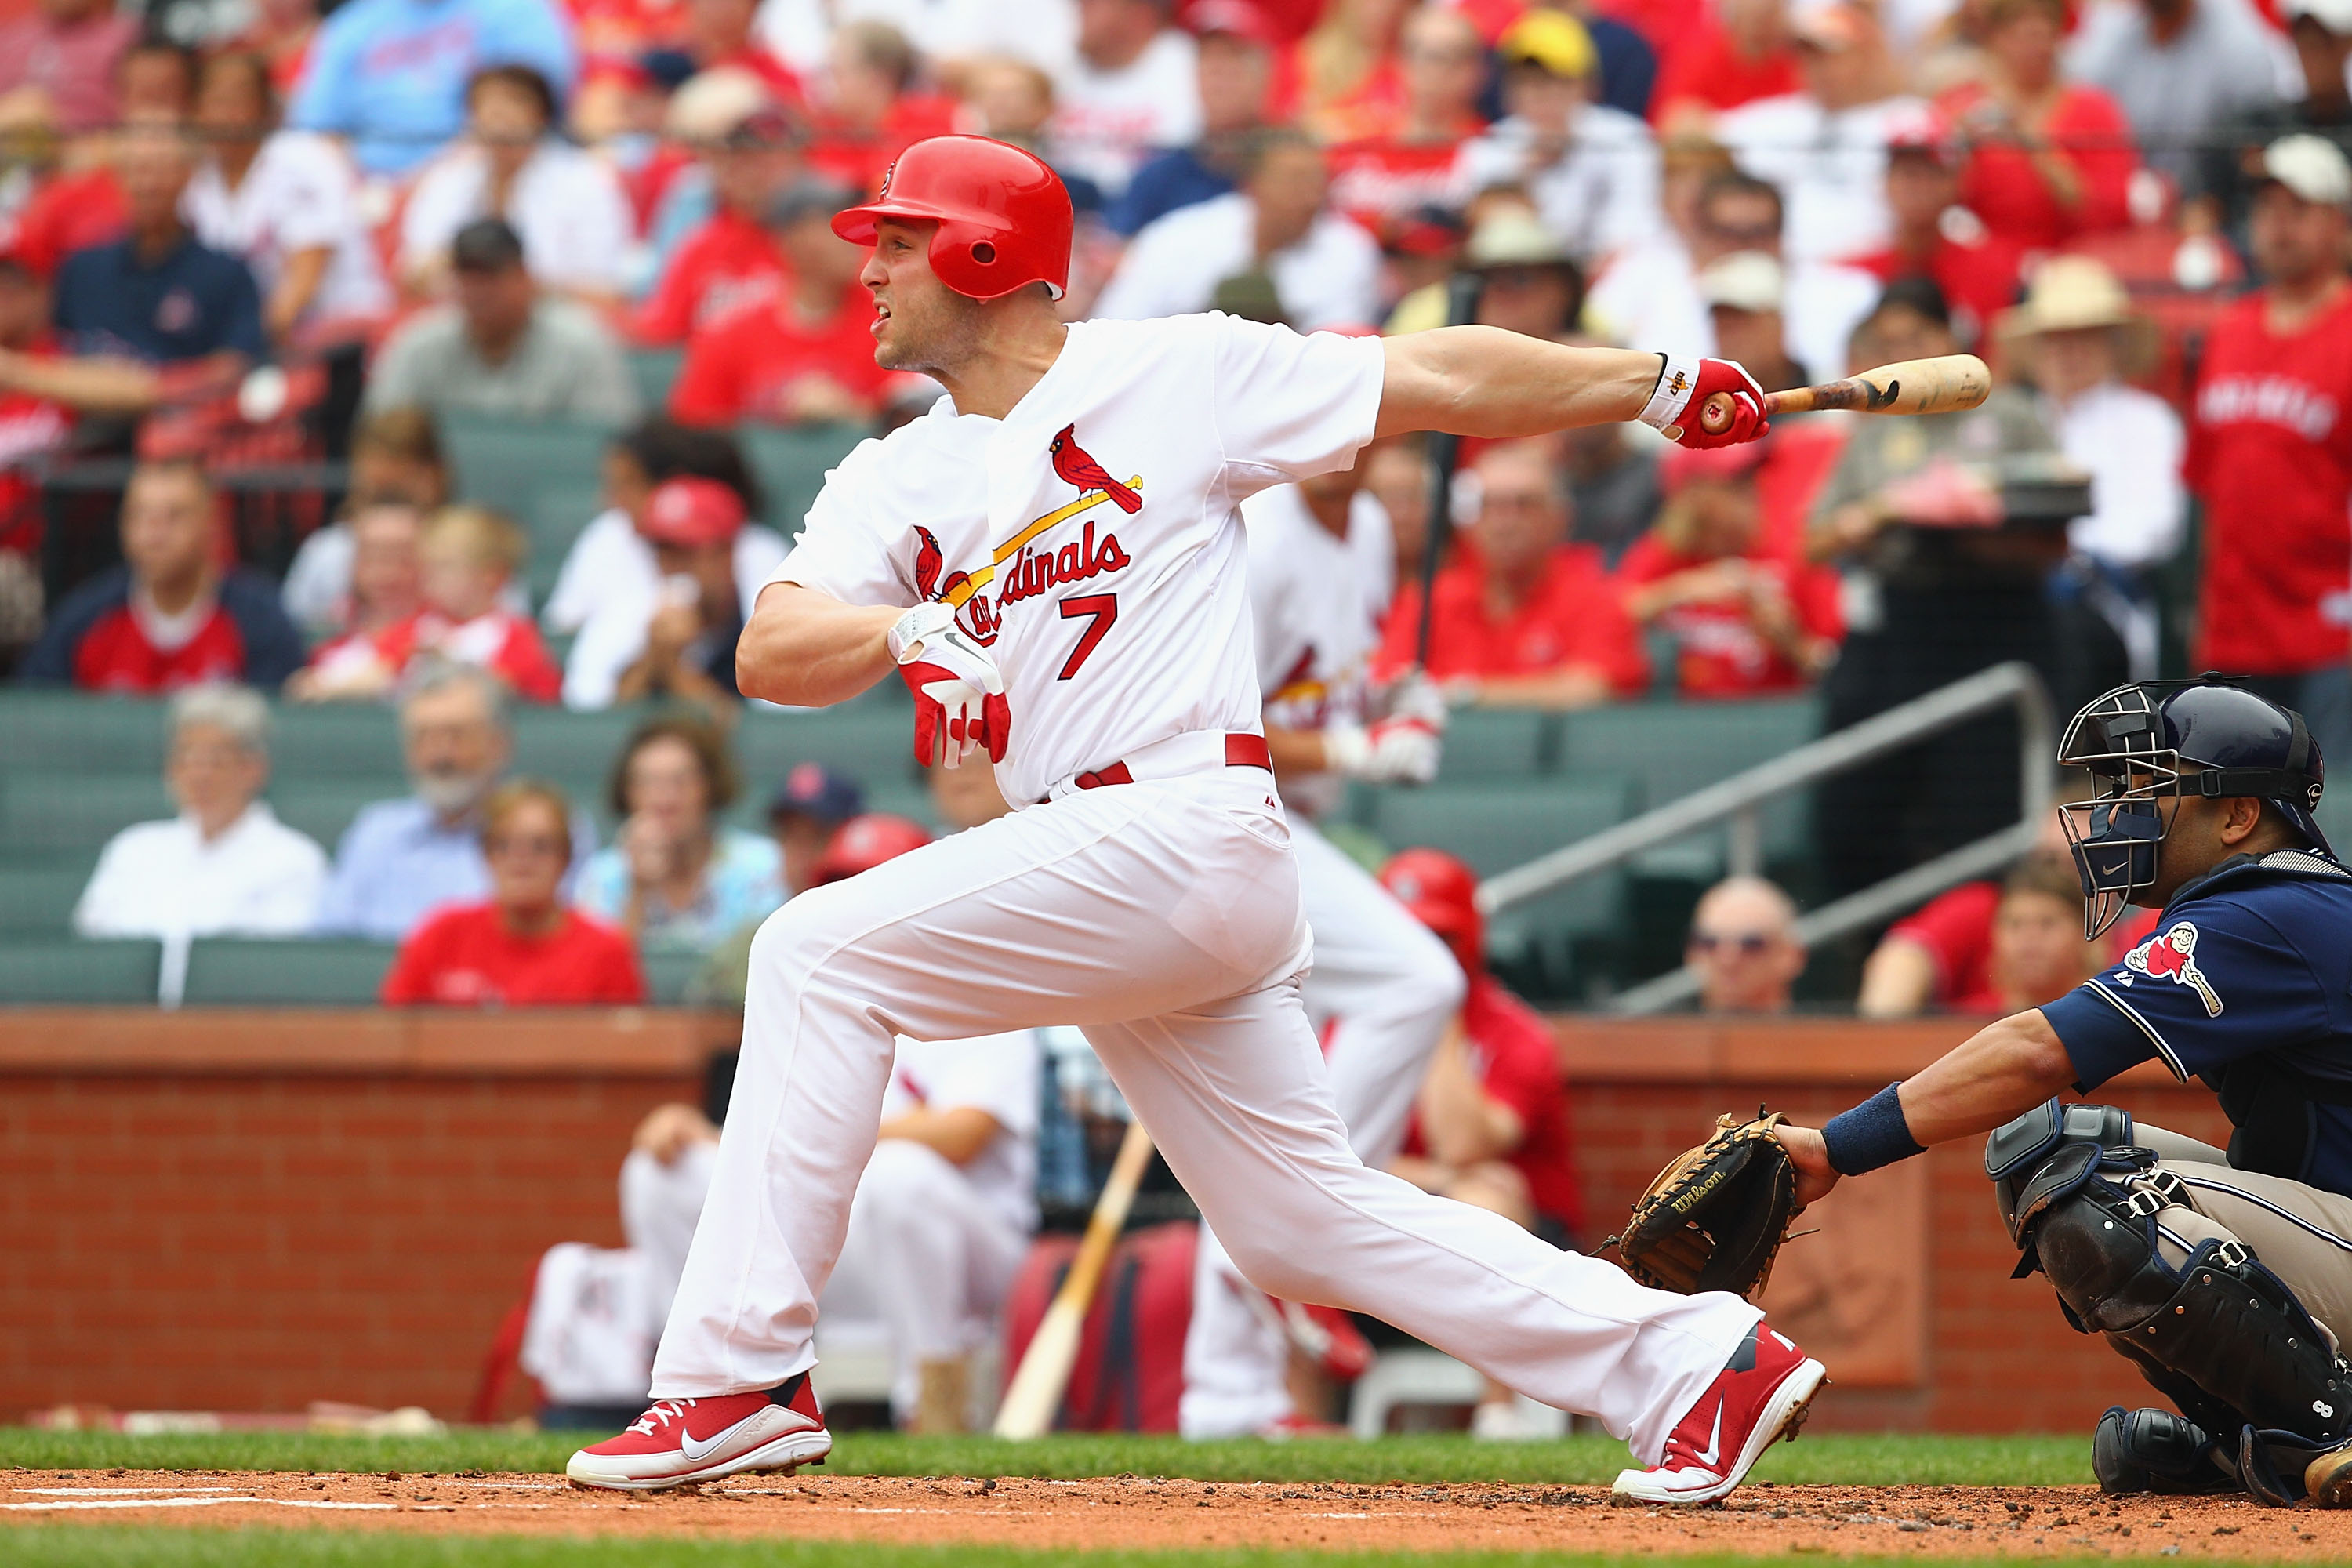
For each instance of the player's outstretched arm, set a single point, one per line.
(1489, 382)
(810, 650)
(1996, 1074)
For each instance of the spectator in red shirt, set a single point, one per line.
(1934, 237)
(1745, 619)
(31, 426)
(1743, 945)
(1521, 618)
(524, 948)
(806, 355)
(869, 112)
(1740, 53)
(719, 33)
(69, 49)
(2037, 953)
(2048, 160)
(169, 616)
(1490, 1126)
(1349, 83)
(2270, 452)
(731, 261)
(1408, 163)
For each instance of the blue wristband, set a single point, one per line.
(1872, 1134)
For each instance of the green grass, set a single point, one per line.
(105, 1546)
(1845, 1458)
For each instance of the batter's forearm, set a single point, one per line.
(1296, 752)
(809, 649)
(1489, 382)
(1998, 1073)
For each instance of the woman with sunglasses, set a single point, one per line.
(524, 946)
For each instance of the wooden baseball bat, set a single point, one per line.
(1947, 383)
(1044, 1372)
(1461, 292)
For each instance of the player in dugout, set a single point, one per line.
(2225, 1276)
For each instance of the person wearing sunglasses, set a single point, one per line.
(1743, 943)
(525, 945)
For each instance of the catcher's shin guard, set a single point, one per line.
(2221, 1321)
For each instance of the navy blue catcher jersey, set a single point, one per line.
(2246, 982)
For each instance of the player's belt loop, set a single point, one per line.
(1249, 751)
(1116, 773)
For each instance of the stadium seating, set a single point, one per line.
(790, 464)
(239, 972)
(1513, 784)
(64, 969)
(655, 370)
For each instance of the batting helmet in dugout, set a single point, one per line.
(1004, 216)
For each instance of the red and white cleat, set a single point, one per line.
(1758, 1398)
(677, 1441)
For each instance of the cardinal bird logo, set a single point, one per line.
(2173, 956)
(1070, 461)
(927, 561)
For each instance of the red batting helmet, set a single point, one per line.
(865, 842)
(1004, 216)
(1442, 894)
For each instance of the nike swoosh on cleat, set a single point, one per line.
(701, 1451)
(1710, 1459)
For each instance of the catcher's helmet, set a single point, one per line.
(1441, 893)
(1004, 216)
(2162, 738)
(865, 842)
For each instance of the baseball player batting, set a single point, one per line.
(1147, 889)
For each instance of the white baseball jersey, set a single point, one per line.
(1315, 608)
(995, 1073)
(1091, 538)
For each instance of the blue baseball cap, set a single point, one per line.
(812, 789)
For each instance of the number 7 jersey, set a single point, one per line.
(1090, 539)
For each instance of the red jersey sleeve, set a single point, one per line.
(2098, 142)
(668, 314)
(1956, 930)
(1604, 636)
(525, 664)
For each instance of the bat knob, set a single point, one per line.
(1714, 415)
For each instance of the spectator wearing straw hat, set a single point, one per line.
(1593, 170)
(2270, 452)
(1528, 283)
(2078, 340)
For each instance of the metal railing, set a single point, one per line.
(1737, 801)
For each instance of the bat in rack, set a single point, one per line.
(1947, 383)
(1037, 1389)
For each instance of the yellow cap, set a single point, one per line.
(1552, 39)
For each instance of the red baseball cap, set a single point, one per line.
(692, 512)
(1234, 18)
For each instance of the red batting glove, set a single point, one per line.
(960, 703)
(1683, 388)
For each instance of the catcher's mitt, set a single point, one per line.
(1716, 1217)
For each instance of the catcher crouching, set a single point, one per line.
(2224, 1276)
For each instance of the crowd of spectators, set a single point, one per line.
(340, 237)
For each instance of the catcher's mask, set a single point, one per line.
(2160, 738)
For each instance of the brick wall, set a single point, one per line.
(252, 1211)
(282, 1224)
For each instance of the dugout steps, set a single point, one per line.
(76, 769)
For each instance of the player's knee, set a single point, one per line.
(792, 943)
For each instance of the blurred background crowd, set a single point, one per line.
(458, 361)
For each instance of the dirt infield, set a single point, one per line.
(1136, 1512)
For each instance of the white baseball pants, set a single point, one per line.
(1163, 919)
(1383, 989)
